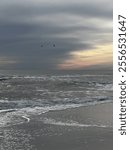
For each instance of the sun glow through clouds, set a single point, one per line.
(85, 58)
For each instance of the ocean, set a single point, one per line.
(25, 96)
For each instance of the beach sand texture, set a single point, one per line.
(83, 128)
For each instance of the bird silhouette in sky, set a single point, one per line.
(46, 44)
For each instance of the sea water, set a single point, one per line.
(24, 96)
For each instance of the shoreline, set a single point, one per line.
(100, 114)
(63, 130)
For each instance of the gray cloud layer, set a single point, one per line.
(26, 25)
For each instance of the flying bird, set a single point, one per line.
(48, 44)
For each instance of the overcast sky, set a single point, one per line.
(55, 34)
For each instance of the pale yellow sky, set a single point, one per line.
(86, 58)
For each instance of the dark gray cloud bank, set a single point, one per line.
(71, 26)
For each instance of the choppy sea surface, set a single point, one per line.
(24, 96)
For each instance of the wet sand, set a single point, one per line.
(83, 128)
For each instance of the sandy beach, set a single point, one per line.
(83, 128)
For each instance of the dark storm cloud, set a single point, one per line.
(71, 26)
(101, 9)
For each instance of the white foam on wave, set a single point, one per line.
(27, 118)
(55, 77)
(4, 101)
(71, 123)
(106, 87)
(16, 116)
(41, 110)
(29, 77)
(7, 110)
